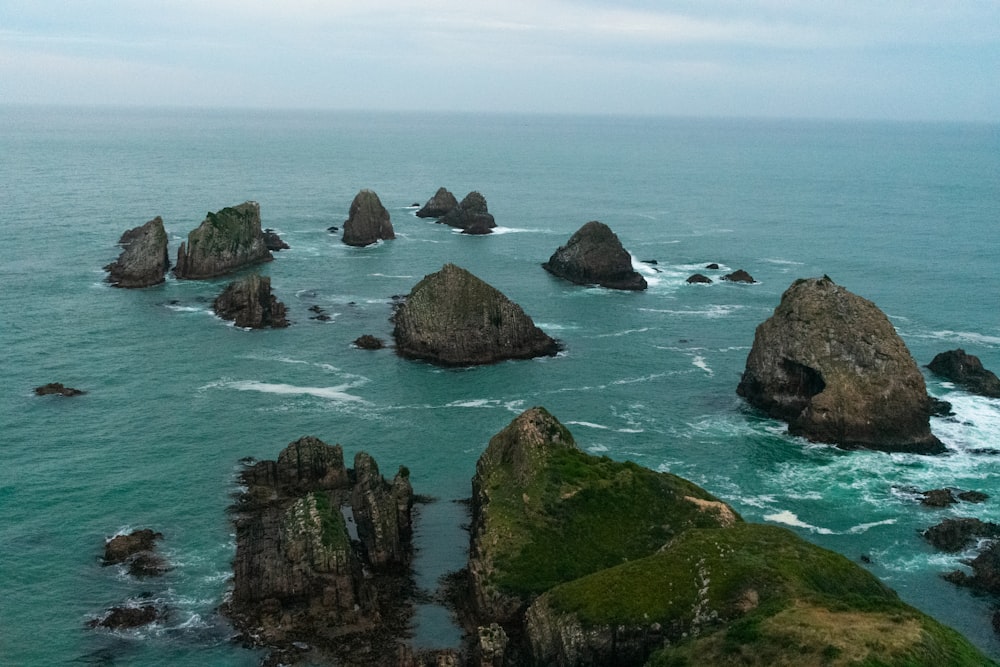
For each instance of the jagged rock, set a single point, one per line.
(973, 496)
(130, 616)
(831, 364)
(940, 408)
(138, 551)
(967, 371)
(595, 256)
(440, 204)
(985, 576)
(471, 212)
(226, 241)
(956, 534)
(368, 342)
(368, 221)
(378, 508)
(58, 389)
(938, 498)
(739, 276)
(453, 318)
(249, 303)
(274, 242)
(699, 278)
(144, 260)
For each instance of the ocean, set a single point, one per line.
(902, 214)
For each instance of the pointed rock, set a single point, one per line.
(595, 256)
(144, 260)
(368, 221)
(440, 204)
(249, 303)
(225, 242)
(471, 215)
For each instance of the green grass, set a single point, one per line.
(334, 529)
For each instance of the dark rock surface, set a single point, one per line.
(699, 278)
(144, 259)
(739, 276)
(471, 213)
(137, 550)
(369, 342)
(712, 267)
(368, 221)
(300, 576)
(985, 576)
(938, 498)
(274, 242)
(960, 533)
(249, 303)
(57, 389)
(226, 241)
(967, 371)
(831, 364)
(440, 204)
(595, 256)
(128, 616)
(453, 318)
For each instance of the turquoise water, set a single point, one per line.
(904, 215)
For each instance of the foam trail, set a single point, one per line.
(790, 519)
(699, 361)
(337, 393)
(590, 425)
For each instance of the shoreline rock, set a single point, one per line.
(226, 241)
(250, 304)
(274, 242)
(136, 550)
(439, 205)
(471, 215)
(144, 260)
(595, 256)
(368, 221)
(966, 370)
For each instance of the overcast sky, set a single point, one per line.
(903, 59)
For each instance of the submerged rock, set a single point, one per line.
(453, 318)
(966, 370)
(368, 221)
(144, 259)
(595, 256)
(831, 364)
(440, 204)
(699, 278)
(470, 214)
(57, 389)
(225, 242)
(368, 342)
(249, 303)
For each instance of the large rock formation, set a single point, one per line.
(967, 371)
(453, 318)
(471, 215)
(440, 204)
(144, 260)
(368, 221)
(226, 241)
(580, 560)
(249, 303)
(831, 364)
(595, 256)
(300, 575)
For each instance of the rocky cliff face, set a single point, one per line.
(226, 241)
(368, 221)
(249, 303)
(471, 215)
(440, 204)
(595, 256)
(453, 318)
(966, 370)
(300, 576)
(144, 260)
(831, 364)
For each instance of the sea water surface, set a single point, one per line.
(905, 215)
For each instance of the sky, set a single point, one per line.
(935, 60)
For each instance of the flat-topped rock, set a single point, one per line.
(144, 260)
(595, 256)
(226, 241)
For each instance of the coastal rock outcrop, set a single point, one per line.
(144, 260)
(595, 256)
(368, 221)
(137, 550)
(249, 303)
(699, 278)
(831, 364)
(57, 389)
(739, 276)
(967, 371)
(226, 241)
(274, 242)
(300, 575)
(368, 342)
(471, 213)
(440, 204)
(453, 318)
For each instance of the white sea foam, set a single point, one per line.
(178, 308)
(338, 393)
(598, 449)
(475, 403)
(511, 230)
(960, 337)
(712, 312)
(865, 527)
(386, 275)
(626, 332)
(699, 361)
(783, 262)
(791, 519)
(590, 425)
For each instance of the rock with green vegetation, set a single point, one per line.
(368, 221)
(143, 261)
(580, 560)
(226, 241)
(440, 204)
(453, 318)
(831, 364)
(304, 574)
(595, 256)
(250, 304)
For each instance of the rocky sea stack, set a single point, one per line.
(249, 303)
(595, 256)
(471, 215)
(453, 318)
(831, 364)
(580, 560)
(966, 370)
(144, 260)
(440, 204)
(368, 221)
(225, 242)
(322, 556)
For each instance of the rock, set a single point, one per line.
(938, 498)
(137, 550)
(739, 276)
(480, 225)
(973, 496)
(59, 389)
(595, 256)
(369, 342)
(453, 318)
(226, 241)
(440, 204)
(144, 260)
(699, 278)
(273, 241)
(831, 364)
(132, 616)
(378, 508)
(471, 212)
(957, 534)
(712, 267)
(940, 408)
(967, 371)
(249, 303)
(368, 221)
(985, 571)
(320, 313)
